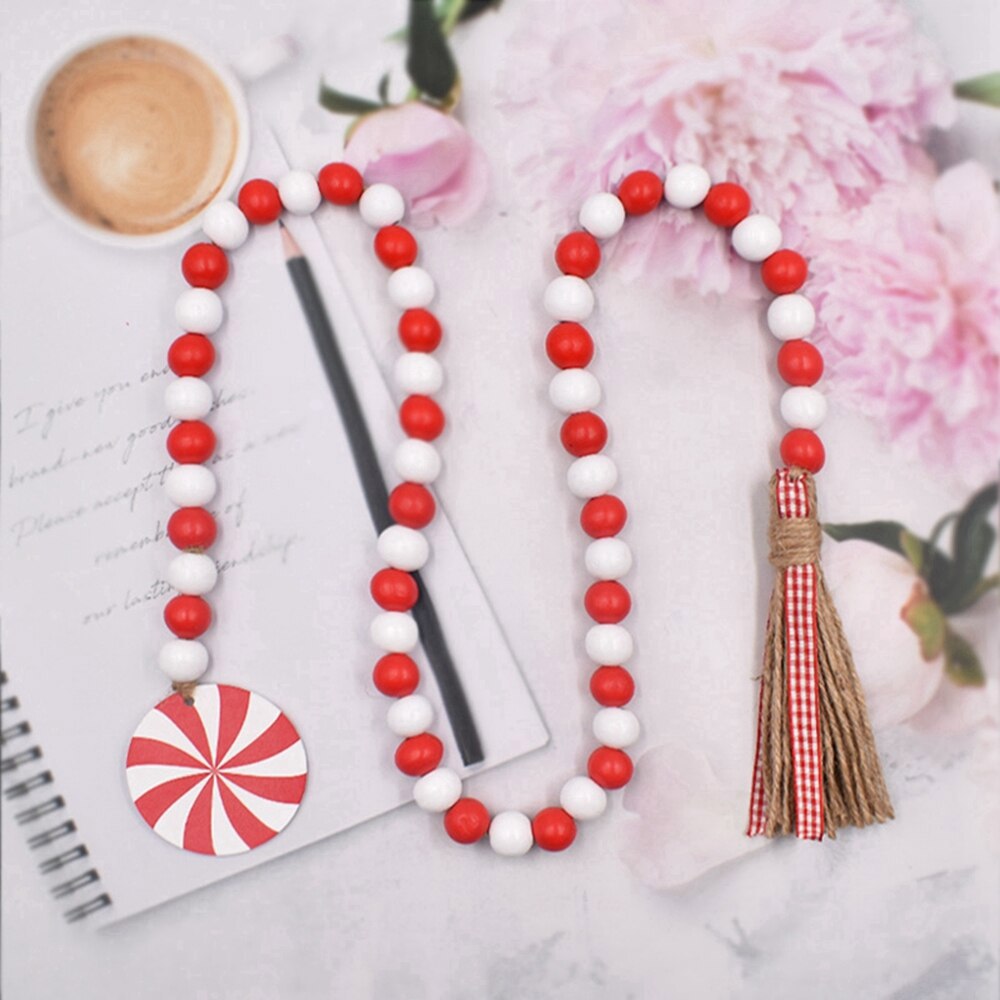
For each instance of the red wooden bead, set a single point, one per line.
(607, 602)
(205, 265)
(191, 528)
(191, 354)
(554, 829)
(784, 271)
(394, 590)
(568, 345)
(726, 204)
(583, 434)
(609, 767)
(578, 254)
(467, 821)
(803, 448)
(603, 516)
(799, 363)
(396, 675)
(395, 246)
(187, 616)
(340, 183)
(640, 192)
(259, 201)
(421, 417)
(419, 330)
(418, 755)
(612, 686)
(412, 505)
(191, 442)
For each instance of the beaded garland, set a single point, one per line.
(403, 547)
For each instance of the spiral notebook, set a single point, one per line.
(83, 553)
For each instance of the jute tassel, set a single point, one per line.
(816, 768)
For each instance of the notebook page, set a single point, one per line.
(84, 554)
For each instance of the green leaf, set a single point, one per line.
(383, 88)
(971, 546)
(449, 14)
(345, 104)
(939, 528)
(927, 622)
(984, 89)
(982, 588)
(429, 61)
(915, 549)
(888, 534)
(961, 663)
(473, 8)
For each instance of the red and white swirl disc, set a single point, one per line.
(221, 776)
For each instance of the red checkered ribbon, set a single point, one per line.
(803, 695)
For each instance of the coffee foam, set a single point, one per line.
(136, 135)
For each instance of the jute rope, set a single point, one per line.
(186, 690)
(854, 790)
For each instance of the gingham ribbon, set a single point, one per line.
(803, 695)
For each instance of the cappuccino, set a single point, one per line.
(135, 135)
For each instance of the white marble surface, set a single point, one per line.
(391, 909)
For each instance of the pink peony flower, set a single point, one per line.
(908, 293)
(955, 709)
(811, 106)
(688, 818)
(870, 587)
(899, 684)
(428, 155)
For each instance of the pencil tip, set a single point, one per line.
(291, 248)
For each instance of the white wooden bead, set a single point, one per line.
(756, 237)
(299, 192)
(686, 185)
(394, 631)
(568, 298)
(609, 644)
(417, 373)
(591, 476)
(616, 727)
(381, 205)
(510, 834)
(183, 660)
(198, 310)
(438, 791)
(411, 288)
(608, 558)
(417, 461)
(225, 225)
(410, 716)
(574, 390)
(791, 317)
(803, 406)
(583, 798)
(190, 485)
(192, 573)
(602, 215)
(403, 548)
(188, 398)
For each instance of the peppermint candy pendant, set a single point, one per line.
(220, 776)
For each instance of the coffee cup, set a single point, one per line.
(131, 135)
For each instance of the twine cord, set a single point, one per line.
(186, 690)
(854, 790)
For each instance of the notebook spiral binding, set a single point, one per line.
(28, 787)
